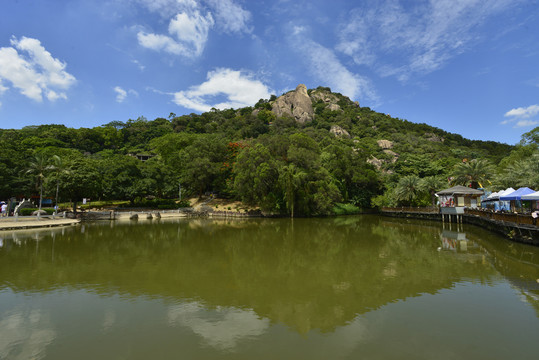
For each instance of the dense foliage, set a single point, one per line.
(251, 155)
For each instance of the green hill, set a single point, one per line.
(298, 154)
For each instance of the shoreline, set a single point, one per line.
(33, 222)
(525, 234)
(511, 231)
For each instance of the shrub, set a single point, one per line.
(345, 209)
(29, 211)
(157, 204)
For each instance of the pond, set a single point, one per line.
(358, 287)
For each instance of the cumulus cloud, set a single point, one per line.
(121, 94)
(326, 66)
(240, 89)
(31, 69)
(161, 42)
(189, 34)
(521, 112)
(190, 23)
(400, 38)
(522, 116)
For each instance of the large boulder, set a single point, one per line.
(296, 104)
(385, 144)
(339, 131)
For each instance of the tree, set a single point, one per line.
(256, 175)
(202, 164)
(408, 189)
(83, 179)
(58, 166)
(291, 179)
(475, 173)
(430, 185)
(38, 166)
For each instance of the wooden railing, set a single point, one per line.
(429, 209)
(519, 219)
(522, 219)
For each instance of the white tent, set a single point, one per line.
(503, 205)
(532, 196)
(505, 192)
(494, 196)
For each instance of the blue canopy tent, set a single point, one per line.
(516, 196)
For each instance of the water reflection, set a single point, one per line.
(25, 334)
(221, 327)
(229, 283)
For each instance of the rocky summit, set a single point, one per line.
(296, 104)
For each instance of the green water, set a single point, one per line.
(362, 287)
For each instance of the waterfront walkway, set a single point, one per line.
(28, 222)
(516, 227)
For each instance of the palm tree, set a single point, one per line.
(475, 172)
(59, 167)
(408, 189)
(431, 184)
(38, 166)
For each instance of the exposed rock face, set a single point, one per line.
(333, 107)
(376, 162)
(325, 96)
(385, 144)
(394, 155)
(433, 137)
(296, 104)
(339, 131)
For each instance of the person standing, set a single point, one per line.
(4, 209)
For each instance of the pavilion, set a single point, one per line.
(455, 199)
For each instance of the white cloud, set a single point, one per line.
(189, 28)
(526, 123)
(161, 42)
(189, 35)
(521, 117)
(400, 38)
(325, 65)
(37, 73)
(2, 88)
(240, 90)
(121, 94)
(523, 113)
(167, 7)
(231, 17)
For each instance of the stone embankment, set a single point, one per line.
(514, 227)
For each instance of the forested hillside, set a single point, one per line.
(289, 158)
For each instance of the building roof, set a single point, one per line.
(460, 190)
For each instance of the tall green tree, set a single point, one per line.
(475, 172)
(408, 189)
(39, 166)
(430, 185)
(83, 180)
(291, 179)
(58, 166)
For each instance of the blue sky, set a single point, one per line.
(466, 66)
